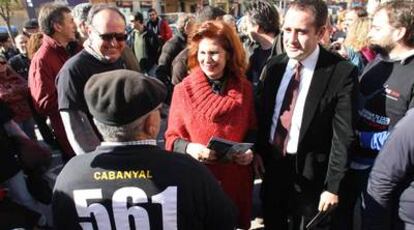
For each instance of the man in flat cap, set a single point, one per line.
(128, 182)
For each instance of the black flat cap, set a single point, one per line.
(31, 24)
(120, 97)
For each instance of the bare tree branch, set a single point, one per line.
(5, 14)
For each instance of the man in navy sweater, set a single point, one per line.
(391, 182)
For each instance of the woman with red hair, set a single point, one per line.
(216, 100)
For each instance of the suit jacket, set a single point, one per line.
(327, 128)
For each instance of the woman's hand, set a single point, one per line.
(200, 152)
(244, 158)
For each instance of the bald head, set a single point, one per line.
(106, 30)
(104, 13)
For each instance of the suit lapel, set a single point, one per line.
(319, 83)
(275, 77)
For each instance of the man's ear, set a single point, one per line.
(88, 29)
(150, 124)
(57, 27)
(147, 124)
(321, 32)
(260, 30)
(400, 33)
(83, 26)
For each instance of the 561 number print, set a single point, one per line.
(121, 212)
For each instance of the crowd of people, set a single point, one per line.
(322, 102)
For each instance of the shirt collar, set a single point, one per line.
(403, 59)
(144, 31)
(91, 51)
(52, 42)
(139, 142)
(309, 62)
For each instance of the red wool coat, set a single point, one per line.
(197, 114)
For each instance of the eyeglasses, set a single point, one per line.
(2, 62)
(120, 37)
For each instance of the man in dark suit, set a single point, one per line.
(306, 125)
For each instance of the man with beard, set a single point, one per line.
(102, 52)
(386, 93)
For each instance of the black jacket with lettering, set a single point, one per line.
(386, 93)
(139, 187)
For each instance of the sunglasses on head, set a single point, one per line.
(120, 37)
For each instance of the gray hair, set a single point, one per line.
(228, 18)
(80, 11)
(183, 20)
(49, 14)
(209, 13)
(122, 133)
